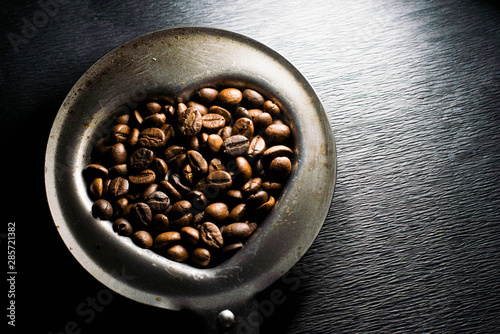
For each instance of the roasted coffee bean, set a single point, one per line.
(198, 106)
(141, 159)
(176, 181)
(102, 209)
(172, 153)
(118, 187)
(166, 240)
(264, 208)
(123, 119)
(177, 253)
(236, 145)
(123, 227)
(236, 232)
(198, 199)
(117, 154)
(141, 214)
(215, 164)
(143, 178)
(232, 248)
(148, 191)
(152, 108)
(230, 97)
(154, 121)
(252, 98)
(257, 199)
(190, 235)
(272, 188)
(119, 207)
(280, 168)
(243, 170)
(277, 151)
(252, 186)
(233, 197)
(96, 188)
(118, 170)
(207, 96)
(243, 126)
(217, 212)
(158, 201)
(170, 190)
(133, 137)
(143, 239)
(120, 133)
(160, 223)
(277, 133)
(225, 132)
(181, 214)
(263, 121)
(223, 112)
(211, 235)
(159, 166)
(152, 138)
(136, 117)
(93, 171)
(214, 143)
(238, 212)
(254, 113)
(218, 182)
(213, 122)
(271, 108)
(201, 257)
(256, 148)
(197, 162)
(189, 122)
(242, 112)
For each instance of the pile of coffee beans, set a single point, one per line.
(192, 180)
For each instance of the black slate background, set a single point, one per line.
(412, 90)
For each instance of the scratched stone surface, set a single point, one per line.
(412, 90)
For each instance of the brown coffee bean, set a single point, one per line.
(243, 170)
(118, 170)
(252, 98)
(123, 227)
(236, 145)
(177, 253)
(213, 122)
(257, 199)
(123, 119)
(152, 138)
(217, 212)
(241, 112)
(158, 201)
(152, 108)
(119, 207)
(136, 118)
(236, 232)
(218, 181)
(197, 199)
(160, 223)
(255, 113)
(141, 214)
(155, 121)
(198, 106)
(230, 249)
(117, 154)
(141, 159)
(174, 154)
(226, 132)
(143, 178)
(256, 148)
(207, 96)
(243, 126)
(118, 187)
(197, 162)
(93, 171)
(277, 151)
(233, 197)
(214, 143)
(166, 240)
(223, 112)
(272, 188)
(189, 122)
(102, 209)
(96, 188)
(277, 133)
(133, 137)
(190, 235)
(211, 235)
(143, 239)
(238, 212)
(177, 182)
(252, 186)
(215, 164)
(120, 133)
(159, 166)
(187, 172)
(201, 257)
(272, 108)
(170, 190)
(280, 168)
(229, 97)
(263, 121)
(264, 208)
(180, 214)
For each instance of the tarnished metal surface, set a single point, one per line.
(177, 61)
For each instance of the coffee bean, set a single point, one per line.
(136, 117)
(181, 214)
(120, 133)
(236, 145)
(242, 112)
(207, 96)
(118, 187)
(277, 151)
(223, 112)
(217, 212)
(257, 199)
(280, 168)
(96, 188)
(155, 121)
(238, 212)
(158, 201)
(118, 170)
(264, 208)
(119, 207)
(160, 223)
(272, 188)
(218, 182)
(190, 235)
(133, 137)
(143, 239)
(177, 253)
(198, 106)
(243, 126)
(271, 108)
(93, 171)
(201, 257)
(170, 190)
(143, 178)
(176, 181)
(256, 148)
(252, 186)
(190, 122)
(277, 133)
(123, 119)
(243, 170)
(123, 227)
(152, 138)
(263, 120)
(197, 162)
(175, 154)
(236, 232)
(102, 209)
(117, 154)
(141, 214)
(252, 98)
(213, 122)
(141, 159)
(215, 164)
(152, 108)
(232, 248)
(166, 240)
(159, 166)
(211, 235)
(197, 199)
(230, 96)
(214, 143)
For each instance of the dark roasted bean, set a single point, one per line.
(123, 227)
(252, 98)
(158, 201)
(141, 214)
(143, 239)
(211, 235)
(230, 97)
(177, 253)
(152, 138)
(189, 122)
(197, 162)
(102, 209)
(217, 212)
(213, 122)
(120, 133)
(118, 187)
(244, 127)
(236, 145)
(201, 257)
(218, 181)
(143, 178)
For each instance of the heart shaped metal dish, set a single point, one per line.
(176, 62)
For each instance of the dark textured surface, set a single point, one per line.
(412, 90)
